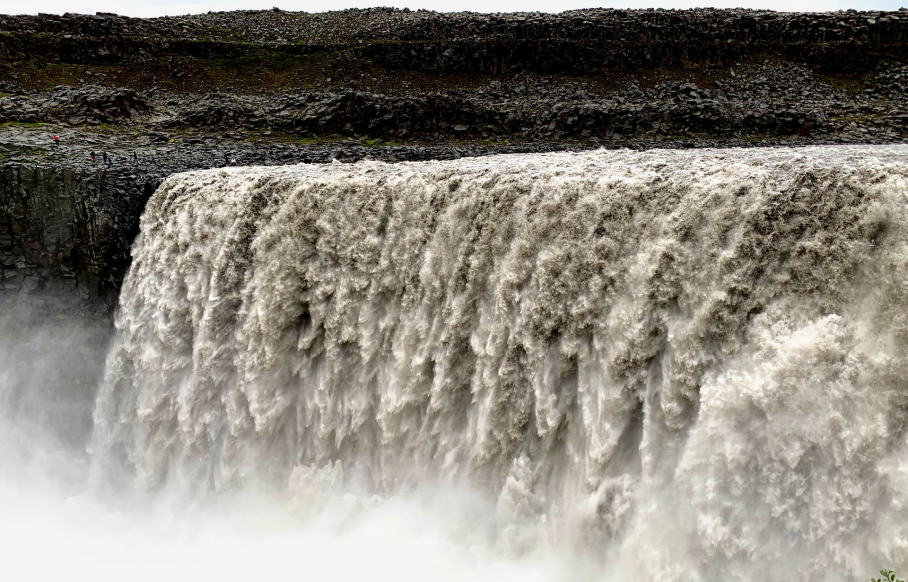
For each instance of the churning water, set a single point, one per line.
(600, 366)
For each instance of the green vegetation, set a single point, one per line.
(844, 82)
(887, 576)
(21, 124)
(307, 140)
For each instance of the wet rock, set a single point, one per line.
(30, 284)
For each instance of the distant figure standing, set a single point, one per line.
(108, 160)
(94, 158)
(135, 157)
(57, 140)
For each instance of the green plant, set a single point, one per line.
(888, 576)
(21, 124)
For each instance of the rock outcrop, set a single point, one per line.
(575, 42)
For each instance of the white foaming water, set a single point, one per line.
(345, 537)
(609, 365)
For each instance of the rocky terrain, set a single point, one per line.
(594, 76)
(271, 87)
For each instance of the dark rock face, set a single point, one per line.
(67, 232)
(759, 101)
(575, 42)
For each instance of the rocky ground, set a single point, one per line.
(749, 103)
(272, 87)
(592, 77)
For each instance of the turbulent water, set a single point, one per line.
(681, 365)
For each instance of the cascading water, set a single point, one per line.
(692, 365)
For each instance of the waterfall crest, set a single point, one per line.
(693, 361)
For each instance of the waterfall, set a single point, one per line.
(692, 363)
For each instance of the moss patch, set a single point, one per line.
(20, 124)
(845, 82)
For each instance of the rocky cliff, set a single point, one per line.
(597, 76)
